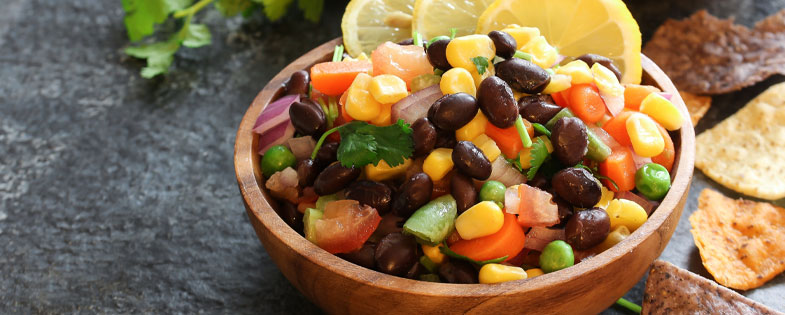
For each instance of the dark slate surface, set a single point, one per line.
(117, 194)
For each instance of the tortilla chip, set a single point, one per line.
(706, 55)
(673, 290)
(746, 151)
(697, 105)
(740, 241)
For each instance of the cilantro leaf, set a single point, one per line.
(312, 9)
(159, 56)
(197, 35)
(231, 8)
(275, 9)
(447, 251)
(395, 143)
(481, 63)
(141, 16)
(363, 143)
(539, 155)
(357, 149)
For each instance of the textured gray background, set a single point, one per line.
(117, 194)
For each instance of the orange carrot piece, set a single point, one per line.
(634, 94)
(620, 167)
(668, 154)
(508, 139)
(333, 78)
(617, 128)
(508, 241)
(586, 103)
(559, 98)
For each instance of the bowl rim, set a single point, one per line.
(249, 180)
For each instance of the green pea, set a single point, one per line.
(493, 191)
(557, 255)
(277, 158)
(653, 181)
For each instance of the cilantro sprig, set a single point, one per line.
(447, 251)
(143, 16)
(363, 143)
(539, 155)
(481, 63)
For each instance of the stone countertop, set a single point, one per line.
(118, 195)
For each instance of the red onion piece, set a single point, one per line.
(666, 95)
(275, 113)
(643, 202)
(615, 104)
(604, 136)
(511, 200)
(503, 172)
(416, 106)
(538, 237)
(535, 207)
(639, 160)
(275, 136)
(301, 147)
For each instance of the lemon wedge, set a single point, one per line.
(575, 27)
(433, 18)
(368, 23)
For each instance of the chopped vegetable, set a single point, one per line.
(448, 252)
(334, 78)
(416, 105)
(345, 226)
(668, 155)
(526, 139)
(508, 140)
(540, 236)
(620, 168)
(505, 173)
(406, 62)
(434, 221)
(586, 103)
(533, 206)
(508, 242)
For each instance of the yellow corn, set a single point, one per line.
(461, 50)
(526, 153)
(487, 146)
(384, 171)
(606, 81)
(474, 128)
(614, 237)
(559, 82)
(626, 213)
(482, 219)
(438, 163)
(531, 273)
(521, 34)
(662, 110)
(645, 135)
(578, 71)
(543, 54)
(360, 104)
(458, 80)
(384, 116)
(496, 273)
(388, 88)
(433, 253)
(605, 199)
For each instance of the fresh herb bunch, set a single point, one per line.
(141, 17)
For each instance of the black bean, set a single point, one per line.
(538, 108)
(577, 186)
(587, 228)
(539, 181)
(565, 210)
(416, 270)
(445, 139)
(523, 75)
(414, 193)
(298, 83)
(424, 135)
(289, 214)
(471, 161)
(307, 170)
(334, 178)
(452, 111)
(308, 117)
(396, 254)
(570, 140)
(327, 154)
(497, 102)
(437, 54)
(591, 59)
(374, 194)
(458, 271)
(363, 256)
(505, 44)
(463, 190)
(406, 42)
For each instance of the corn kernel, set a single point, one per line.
(626, 213)
(497, 273)
(360, 104)
(479, 77)
(605, 199)
(534, 272)
(559, 82)
(384, 117)
(543, 54)
(482, 219)
(487, 146)
(474, 128)
(388, 88)
(438, 163)
(521, 34)
(614, 237)
(384, 171)
(458, 80)
(645, 135)
(578, 71)
(461, 50)
(662, 110)
(606, 81)
(433, 253)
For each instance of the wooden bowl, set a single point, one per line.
(341, 287)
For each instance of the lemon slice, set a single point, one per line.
(576, 27)
(368, 23)
(433, 18)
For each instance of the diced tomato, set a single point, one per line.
(406, 62)
(345, 226)
(536, 207)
